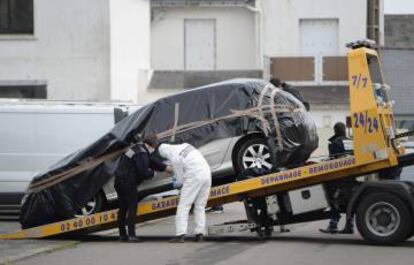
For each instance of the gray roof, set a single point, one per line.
(178, 3)
(397, 66)
(399, 31)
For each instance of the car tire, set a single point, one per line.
(254, 152)
(95, 205)
(383, 219)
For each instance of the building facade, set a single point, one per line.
(140, 50)
(397, 61)
(301, 42)
(74, 50)
(202, 42)
(304, 44)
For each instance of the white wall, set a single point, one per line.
(281, 22)
(326, 118)
(235, 35)
(69, 49)
(130, 47)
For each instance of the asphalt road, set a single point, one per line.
(303, 245)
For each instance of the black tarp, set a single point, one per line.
(210, 113)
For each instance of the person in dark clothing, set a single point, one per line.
(288, 88)
(339, 190)
(336, 145)
(136, 165)
(392, 173)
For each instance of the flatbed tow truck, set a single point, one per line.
(383, 210)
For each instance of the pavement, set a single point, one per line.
(303, 245)
(13, 250)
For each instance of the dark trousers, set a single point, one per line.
(335, 216)
(127, 200)
(339, 193)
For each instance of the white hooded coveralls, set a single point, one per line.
(193, 171)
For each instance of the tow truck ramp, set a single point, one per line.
(228, 193)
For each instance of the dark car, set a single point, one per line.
(250, 112)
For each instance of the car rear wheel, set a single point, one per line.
(95, 205)
(254, 152)
(383, 218)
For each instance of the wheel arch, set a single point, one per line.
(101, 193)
(398, 188)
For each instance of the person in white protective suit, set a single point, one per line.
(193, 176)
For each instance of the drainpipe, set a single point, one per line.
(258, 11)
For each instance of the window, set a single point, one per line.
(16, 16)
(33, 89)
(380, 90)
(319, 36)
(374, 69)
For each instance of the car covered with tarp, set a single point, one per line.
(227, 110)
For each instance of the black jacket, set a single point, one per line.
(137, 165)
(336, 146)
(340, 190)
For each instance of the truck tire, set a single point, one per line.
(411, 234)
(383, 218)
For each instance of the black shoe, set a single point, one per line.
(199, 238)
(123, 238)
(177, 239)
(329, 230)
(346, 230)
(134, 239)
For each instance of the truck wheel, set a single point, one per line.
(411, 234)
(383, 218)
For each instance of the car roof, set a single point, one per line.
(224, 86)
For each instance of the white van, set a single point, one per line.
(33, 136)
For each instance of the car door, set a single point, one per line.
(214, 152)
